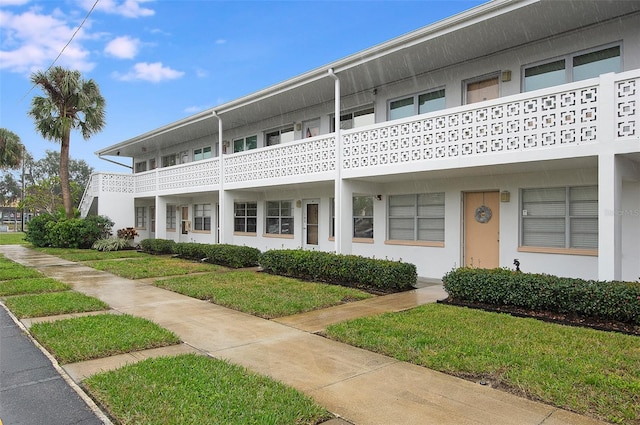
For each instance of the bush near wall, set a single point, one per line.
(540, 292)
(60, 232)
(157, 246)
(340, 269)
(222, 254)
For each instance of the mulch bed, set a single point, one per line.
(564, 319)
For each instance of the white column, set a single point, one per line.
(161, 217)
(222, 233)
(339, 228)
(609, 218)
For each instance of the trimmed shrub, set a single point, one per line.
(340, 269)
(157, 246)
(234, 256)
(37, 233)
(61, 232)
(541, 292)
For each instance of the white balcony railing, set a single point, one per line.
(299, 159)
(600, 110)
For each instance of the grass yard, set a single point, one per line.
(12, 238)
(591, 372)
(78, 255)
(51, 304)
(103, 335)
(31, 286)
(195, 389)
(261, 294)
(150, 266)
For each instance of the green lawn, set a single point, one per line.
(12, 238)
(74, 254)
(261, 294)
(51, 304)
(146, 266)
(103, 335)
(31, 286)
(195, 389)
(584, 370)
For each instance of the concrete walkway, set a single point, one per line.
(359, 386)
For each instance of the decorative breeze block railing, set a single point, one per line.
(118, 183)
(308, 156)
(145, 182)
(194, 174)
(627, 100)
(555, 119)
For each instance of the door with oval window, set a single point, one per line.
(482, 229)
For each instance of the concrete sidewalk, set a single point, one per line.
(359, 386)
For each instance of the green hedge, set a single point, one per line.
(608, 300)
(157, 246)
(61, 232)
(222, 254)
(340, 269)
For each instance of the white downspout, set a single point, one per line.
(221, 203)
(337, 203)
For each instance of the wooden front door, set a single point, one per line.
(482, 229)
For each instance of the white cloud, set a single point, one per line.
(221, 41)
(195, 109)
(123, 47)
(202, 73)
(126, 8)
(31, 41)
(153, 72)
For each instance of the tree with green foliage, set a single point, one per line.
(11, 150)
(71, 103)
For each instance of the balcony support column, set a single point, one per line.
(161, 217)
(609, 217)
(342, 244)
(222, 203)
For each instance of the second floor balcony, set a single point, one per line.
(559, 122)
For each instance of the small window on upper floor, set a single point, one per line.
(141, 166)
(354, 119)
(417, 104)
(311, 128)
(202, 153)
(573, 67)
(245, 144)
(282, 135)
(168, 160)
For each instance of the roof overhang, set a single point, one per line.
(492, 27)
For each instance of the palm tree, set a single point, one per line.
(70, 103)
(11, 150)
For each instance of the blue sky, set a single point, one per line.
(159, 61)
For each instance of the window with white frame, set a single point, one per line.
(168, 160)
(279, 218)
(420, 103)
(311, 128)
(171, 217)
(573, 67)
(141, 166)
(282, 135)
(141, 216)
(245, 143)
(202, 153)
(245, 217)
(354, 119)
(152, 164)
(560, 217)
(363, 217)
(202, 217)
(417, 217)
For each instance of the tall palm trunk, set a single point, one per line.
(64, 174)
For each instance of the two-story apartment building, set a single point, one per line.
(509, 131)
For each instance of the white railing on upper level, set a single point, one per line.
(301, 159)
(600, 110)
